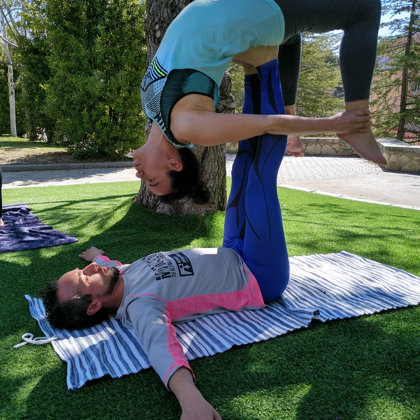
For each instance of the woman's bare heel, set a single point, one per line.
(365, 145)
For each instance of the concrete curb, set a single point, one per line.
(64, 166)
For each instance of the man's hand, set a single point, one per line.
(192, 402)
(294, 144)
(91, 253)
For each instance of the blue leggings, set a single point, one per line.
(253, 224)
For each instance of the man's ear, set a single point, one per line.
(175, 164)
(94, 307)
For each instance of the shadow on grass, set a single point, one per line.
(382, 233)
(138, 233)
(111, 222)
(343, 370)
(114, 223)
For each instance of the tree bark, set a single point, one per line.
(10, 81)
(159, 14)
(404, 78)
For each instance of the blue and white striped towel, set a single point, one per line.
(324, 287)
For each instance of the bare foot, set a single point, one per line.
(1, 223)
(294, 146)
(365, 145)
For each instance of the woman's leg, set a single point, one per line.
(264, 246)
(359, 19)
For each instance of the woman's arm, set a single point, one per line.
(208, 128)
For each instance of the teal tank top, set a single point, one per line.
(204, 38)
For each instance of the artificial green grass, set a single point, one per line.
(363, 368)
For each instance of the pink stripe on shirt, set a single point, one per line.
(232, 301)
(106, 259)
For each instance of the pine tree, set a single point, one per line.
(396, 85)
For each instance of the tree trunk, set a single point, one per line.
(159, 14)
(10, 81)
(12, 102)
(404, 78)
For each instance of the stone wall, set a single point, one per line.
(315, 146)
(326, 146)
(401, 156)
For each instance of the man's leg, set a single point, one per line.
(264, 247)
(235, 210)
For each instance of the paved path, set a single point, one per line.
(351, 178)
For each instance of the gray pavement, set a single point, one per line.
(345, 177)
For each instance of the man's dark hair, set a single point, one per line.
(71, 314)
(187, 183)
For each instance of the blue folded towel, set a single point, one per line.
(23, 230)
(322, 287)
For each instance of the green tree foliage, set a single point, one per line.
(32, 54)
(396, 85)
(319, 89)
(83, 68)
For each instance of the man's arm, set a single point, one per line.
(150, 320)
(194, 406)
(91, 253)
(97, 255)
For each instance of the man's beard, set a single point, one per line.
(114, 276)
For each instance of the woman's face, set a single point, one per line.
(154, 171)
(153, 163)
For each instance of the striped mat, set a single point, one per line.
(323, 287)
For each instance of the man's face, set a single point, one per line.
(92, 280)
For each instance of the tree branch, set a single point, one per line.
(9, 42)
(9, 19)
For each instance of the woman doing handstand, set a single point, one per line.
(180, 87)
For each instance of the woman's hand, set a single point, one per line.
(357, 121)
